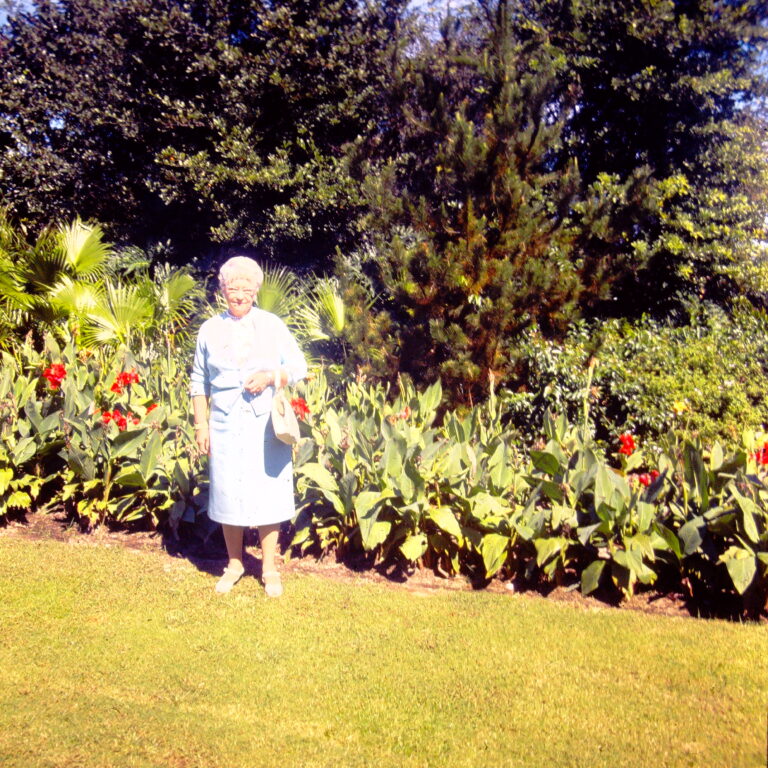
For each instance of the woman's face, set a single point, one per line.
(239, 294)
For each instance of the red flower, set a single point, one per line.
(300, 407)
(106, 417)
(124, 379)
(645, 479)
(627, 444)
(654, 474)
(151, 407)
(55, 374)
(761, 454)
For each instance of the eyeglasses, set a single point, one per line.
(239, 291)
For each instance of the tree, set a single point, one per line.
(494, 227)
(206, 121)
(676, 87)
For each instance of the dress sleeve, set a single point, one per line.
(291, 357)
(199, 382)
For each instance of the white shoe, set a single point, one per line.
(229, 579)
(273, 585)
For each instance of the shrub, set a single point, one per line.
(707, 375)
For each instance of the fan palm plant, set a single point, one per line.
(55, 277)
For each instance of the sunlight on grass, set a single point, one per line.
(113, 657)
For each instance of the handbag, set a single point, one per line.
(284, 421)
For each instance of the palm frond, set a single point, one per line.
(279, 294)
(121, 314)
(85, 254)
(323, 317)
(76, 299)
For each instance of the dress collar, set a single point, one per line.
(230, 316)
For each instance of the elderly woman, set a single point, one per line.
(243, 355)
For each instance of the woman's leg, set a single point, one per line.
(233, 538)
(268, 535)
(269, 573)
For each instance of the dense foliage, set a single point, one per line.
(707, 374)
(211, 121)
(557, 160)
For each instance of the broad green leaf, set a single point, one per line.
(634, 461)
(132, 477)
(445, 520)
(590, 576)
(150, 455)
(552, 490)
(716, 457)
(692, 534)
(668, 536)
(127, 442)
(6, 475)
(414, 547)
(494, 551)
(372, 530)
(545, 462)
(23, 450)
(429, 400)
(19, 500)
(32, 411)
(548, 548)
(603, 486)
(319, 475)
(51, 421)
(742, 567)
(749, 511)
(646, 514)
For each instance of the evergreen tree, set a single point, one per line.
(494, 227)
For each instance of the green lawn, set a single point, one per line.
(113, 657)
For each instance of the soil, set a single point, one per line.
(210, 555)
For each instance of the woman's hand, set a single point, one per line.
(259, 381)
(203, 440)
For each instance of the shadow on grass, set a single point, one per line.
(202, 544)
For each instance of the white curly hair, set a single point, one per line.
(241, 268)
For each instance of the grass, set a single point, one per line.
(113, 657)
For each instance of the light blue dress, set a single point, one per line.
(250, 470)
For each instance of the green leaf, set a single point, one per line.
(32, 410)
(127, 442)
(372, 530)
(149, 455)
(692, 534)
(132, 477)
(549, 547)
(545, 462)
(319, 475)
(414, 547)
(445, 520)
(6, 475)
(23, 450)
(590, 576)
(742, 567)
(716, 457)
(19, 500)
(552, 490)
(494, 551)
(749, 511)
